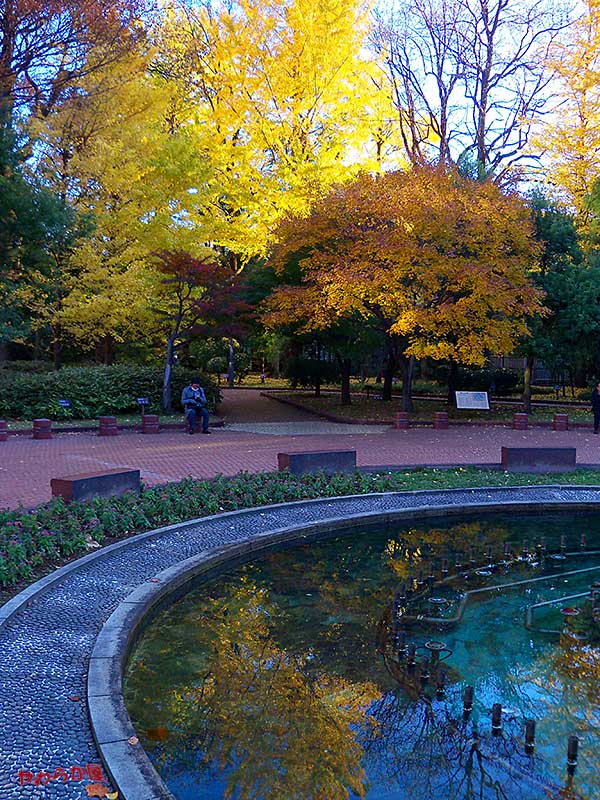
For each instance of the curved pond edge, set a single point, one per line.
(127, 764)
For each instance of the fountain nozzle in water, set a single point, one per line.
(529, 736)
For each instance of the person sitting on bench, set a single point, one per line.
(193, 400)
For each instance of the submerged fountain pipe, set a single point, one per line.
(468, 700)
(472, 556)
(572, 750)
(489, 554)
(440, 688)
(425, 673)
(506, 550)
(444, 567)
(496, 718)
(563, 544)
(421, 580)
(431, 578)
(582, 542)
(529, 736)
(411, 660)
(525, 549)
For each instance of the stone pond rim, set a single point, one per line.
(116, 590)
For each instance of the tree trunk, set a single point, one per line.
(57, 354)
(345, 369)
(527, 383)
(231, 369)
(318, 375)
(388, 377)
(167, 401)
(107, 350)
(452, 383)
(407, 366)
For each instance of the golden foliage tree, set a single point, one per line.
(436, 261)
(570, 136)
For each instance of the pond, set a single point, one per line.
(345, 668)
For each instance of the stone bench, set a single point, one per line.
(96, 484)
(328, 461)
(539, 459)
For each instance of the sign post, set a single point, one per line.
(472, 400)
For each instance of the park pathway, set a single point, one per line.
(256, 429)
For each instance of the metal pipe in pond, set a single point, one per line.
(468, 699)
(572, 751)
(440, 688)
(529, 736)
(411, 659)
(444, 567)
(582, 542)
(496, 718)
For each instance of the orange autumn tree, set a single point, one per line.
(437, 262)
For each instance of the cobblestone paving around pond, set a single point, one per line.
(45, 644)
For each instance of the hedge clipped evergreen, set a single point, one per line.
(93, 391)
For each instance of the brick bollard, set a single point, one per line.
(150, 423)
(107, 426)
(560, 422)
(402, 421)
(520, 422)
(42, 428)
(3, 430)
(440, 421)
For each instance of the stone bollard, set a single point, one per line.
(520, 421)
(107, 426)
(3, 430)
(440, 421)
(402, 421)
(150, 423)
(560, 422)
(42, 428)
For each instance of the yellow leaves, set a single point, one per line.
(441, 261)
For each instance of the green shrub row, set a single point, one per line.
(32, 541)
(92, 391)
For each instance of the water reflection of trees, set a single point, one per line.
(272, 731)
(280, 709)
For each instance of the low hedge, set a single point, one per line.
(92, 391)
(32, 542)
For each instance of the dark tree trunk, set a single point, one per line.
(231, 368)
(388, 377)
(527, 375)
(166, 394)
(452, 383)
(346, 369)
(407, 365)
(107, 350)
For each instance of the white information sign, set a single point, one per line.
(472, 400)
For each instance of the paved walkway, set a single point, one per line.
(256, 429)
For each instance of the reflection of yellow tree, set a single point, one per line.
(277, 733)
(569, 679)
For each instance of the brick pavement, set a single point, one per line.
(26, 466)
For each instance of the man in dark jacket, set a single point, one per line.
(596, 407)
(193, 399)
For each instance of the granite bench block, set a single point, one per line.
(539, 459)
(96, 484)
(328, 461)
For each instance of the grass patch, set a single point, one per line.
(35, 542)
(383, 411)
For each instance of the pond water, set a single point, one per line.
(293, 676)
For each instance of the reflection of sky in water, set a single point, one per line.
(313, 613)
